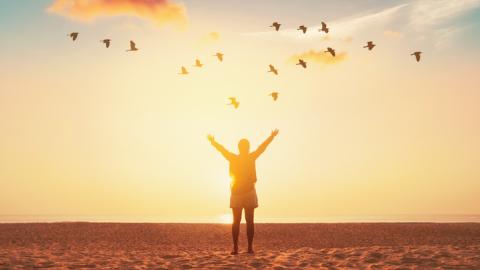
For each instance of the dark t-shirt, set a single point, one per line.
(242, 167)
(243, 173)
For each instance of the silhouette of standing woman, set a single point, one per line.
(243, 193)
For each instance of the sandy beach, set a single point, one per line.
(278, 246)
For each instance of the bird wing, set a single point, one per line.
(132, 44)
(324, 25)
(417, 56)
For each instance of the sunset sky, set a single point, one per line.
(90, 131)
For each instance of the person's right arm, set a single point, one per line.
(220, 148)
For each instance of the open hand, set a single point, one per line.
(274, 133)
(210, 138)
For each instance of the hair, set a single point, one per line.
(244, 146)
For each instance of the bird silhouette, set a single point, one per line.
(331, 51)
(198, 63)
(369, 45)
(274, 95)
(273, 69)
(133, 47)
(324, 28)
(73, 35)
(219, 56)
(106, 42)
(234, 102)
(276, 25)
(183, 71)
(302, 28)
(417, 55)
(302, 63)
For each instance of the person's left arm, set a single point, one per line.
(264, 145)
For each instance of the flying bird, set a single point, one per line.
(417, 55)
(234, 102)
(106, 42)
(331, 51)
(276, 25)
(219, 56)
(302, 28)
(198, 63)
(273, 69)
(73, 35)
(184, 71)
(369, 45)
(274, 95)
(324, 28)
(133, 47)
(302, 63)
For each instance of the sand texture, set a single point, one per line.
(207, 246)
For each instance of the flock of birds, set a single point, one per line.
(276, 25)
(370, 45)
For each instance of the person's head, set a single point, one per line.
(244, 146)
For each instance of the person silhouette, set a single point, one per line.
(243, 194)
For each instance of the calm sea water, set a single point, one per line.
(226, 218)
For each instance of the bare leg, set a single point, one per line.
(237, 217)
(249, 217)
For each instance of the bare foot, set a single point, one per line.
(250, 251)
(235, 252)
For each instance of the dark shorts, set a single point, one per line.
(246, 200)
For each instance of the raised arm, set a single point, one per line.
(227, 154)
(264, 145)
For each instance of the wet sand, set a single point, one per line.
(278, 246)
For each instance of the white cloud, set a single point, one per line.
(432, 20)
(427, 13)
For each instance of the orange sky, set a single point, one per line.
(97, 132)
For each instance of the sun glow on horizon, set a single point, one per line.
(225, 219)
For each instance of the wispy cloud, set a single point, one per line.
(342, 28)
(432, 20)
(160, 12)
(319, 57)
(434, 12)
